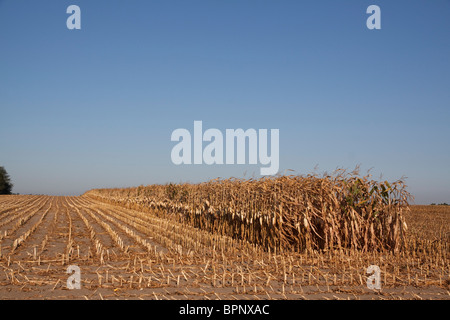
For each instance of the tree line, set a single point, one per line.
(5, 182)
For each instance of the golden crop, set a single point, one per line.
(282, 213)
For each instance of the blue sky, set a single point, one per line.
(95, 107)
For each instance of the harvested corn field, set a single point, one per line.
(125, 250)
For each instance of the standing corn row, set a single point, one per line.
(283, 213)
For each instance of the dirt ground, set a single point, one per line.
(125, 254)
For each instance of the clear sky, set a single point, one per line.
(89, 108)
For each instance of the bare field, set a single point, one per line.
(129, 254)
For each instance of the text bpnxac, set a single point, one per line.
(235, 140)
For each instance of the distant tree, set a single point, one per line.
(5, 182)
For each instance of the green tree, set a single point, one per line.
(5, 182)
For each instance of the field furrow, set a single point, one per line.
(132, 254)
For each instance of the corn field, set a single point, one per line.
(286, 213)
(144, 253)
